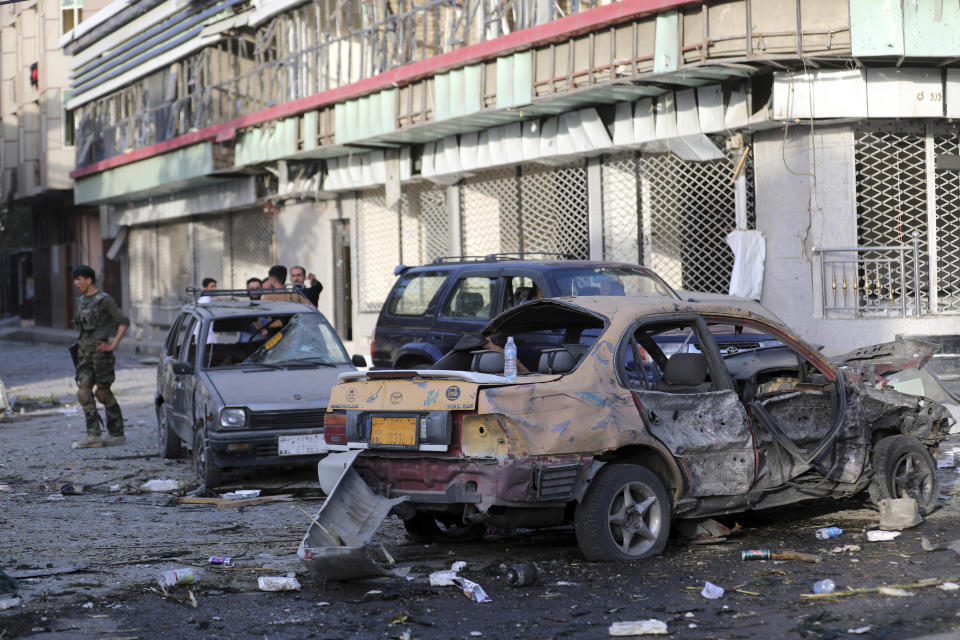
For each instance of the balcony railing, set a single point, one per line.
(872, 281)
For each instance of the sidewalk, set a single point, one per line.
(10, 329)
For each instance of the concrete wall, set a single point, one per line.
(806, 199)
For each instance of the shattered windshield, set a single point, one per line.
(610, 281)
(305, 339)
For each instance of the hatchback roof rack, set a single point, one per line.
(499, 257)
(195, 293)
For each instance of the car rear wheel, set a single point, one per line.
(904, 468)
(624, 516)
(168, 442)
(208, 473)
(426, 527)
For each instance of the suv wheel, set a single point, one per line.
(624, 516)
(209, 474)
(426, 527)
(904, 468)
(168, 442)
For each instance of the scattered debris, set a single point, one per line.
(278, 583)
(859, 630)
(472, 590)
(948, 586)
(824, 586)
(897, 514)
(188, 599)
(223, 561)
(847, 548)
(853, 592)
(711, 591)
(8, 583)
(881, 536)
(522, 575)
(174, 577)
(894, 591)
(766, 554)
(43, 573)
(241, 494)
(10, 601)
(233, 503)
(651, 627)
(159, 485)
(825, 533)
(445, 577)
(708, 531)
(71, 489)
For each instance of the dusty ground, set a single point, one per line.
(111, 542)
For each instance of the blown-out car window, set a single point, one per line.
(414, 292)
(304, 340)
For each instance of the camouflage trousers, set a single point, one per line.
(96, 370)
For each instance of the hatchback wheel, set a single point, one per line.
(168, 442)
(208, 473)
(904, 468)
(624, 516)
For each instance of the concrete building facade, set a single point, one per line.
(220, 137)
(43, 234)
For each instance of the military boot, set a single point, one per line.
(90, 441)
(114, 424)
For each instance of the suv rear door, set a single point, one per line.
(467, 305)
(406, 319)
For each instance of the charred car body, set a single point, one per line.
(245, 383)
(609, 433)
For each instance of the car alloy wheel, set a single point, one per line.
(208, 473)
(168, 442)
(624, 516)
(904, 468)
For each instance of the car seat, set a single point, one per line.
(561, 359)
(685, 373)
(524, 294)
(487, 361)
(468, 304)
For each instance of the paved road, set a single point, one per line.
(113, 540)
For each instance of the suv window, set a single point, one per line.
(519, 289)
(610, 281)
(471, 298)
(415, 291)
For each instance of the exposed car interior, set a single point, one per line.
(232, 340)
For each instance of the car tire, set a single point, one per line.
(209, 474)
(426, 527)
(904, 468)
(624, 516)
(168, 442)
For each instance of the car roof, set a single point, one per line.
(223, 307)
(544, 264)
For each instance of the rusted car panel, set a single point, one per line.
(628, 427)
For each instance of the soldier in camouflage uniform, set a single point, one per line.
(102, 325)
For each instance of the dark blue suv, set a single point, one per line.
(431, 307)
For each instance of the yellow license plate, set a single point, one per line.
(395, 432)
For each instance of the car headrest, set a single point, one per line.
(557, 361)
(468, 303)
(523, 294)
(686, 369)
(487, 362)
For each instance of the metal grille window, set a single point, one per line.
(553, 207)
(621, 235)
(948, 227)
(490, 213)
(687, 209)
(434, 221)
(379, 248)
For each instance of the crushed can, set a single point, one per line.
(223, 561)
(755, 554)
(522, 575)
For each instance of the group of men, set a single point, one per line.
(102, 324)
(277, 279)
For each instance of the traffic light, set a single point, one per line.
(34, 76)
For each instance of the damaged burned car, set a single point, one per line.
(612, 435)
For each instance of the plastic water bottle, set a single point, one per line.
(829, 532)
(824, 586)
(510, 359)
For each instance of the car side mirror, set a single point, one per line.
(182, 368)
(358, 360)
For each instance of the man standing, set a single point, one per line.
(297, 276)
(102, 326)
(276, 279)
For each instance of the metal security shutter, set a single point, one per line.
(210, 259)
(687, 210)
(142, 255)
(490, 214)
(948, 227)
(891, 206)
(378, 251)
(251, 246)
(553, 209)
(174, 263)
(621, 237)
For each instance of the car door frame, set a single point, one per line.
(449, 329)
(180, 419)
